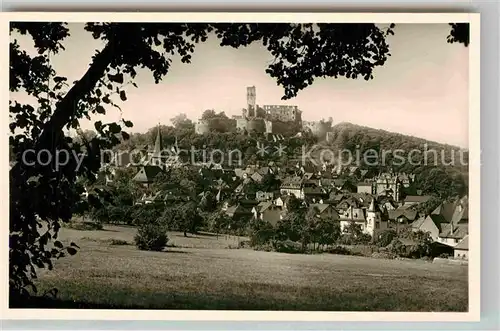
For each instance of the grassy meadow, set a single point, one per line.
(203, 272)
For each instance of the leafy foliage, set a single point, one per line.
(151, 237)
(459, 33)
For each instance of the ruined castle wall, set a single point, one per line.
(319, 129)
(215, 124)
(256, 125)
(241, 124)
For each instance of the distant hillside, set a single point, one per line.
(348, 132)
(444, 169)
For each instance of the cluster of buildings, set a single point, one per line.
(269, 119)
(374, 201)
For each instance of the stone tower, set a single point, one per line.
(251, 101)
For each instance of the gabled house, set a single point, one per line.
(314, 194)
(364, 187)
(264, 196)
(339, 184)
(257, 177)
(427, 224)
(238, 213)
(447, 224)
(401, 218)
(461, 250)
(292, 185)
(370, 220)
(453, 221)
(268, 212)
(147, 174)
(325, 211)
(239, 173)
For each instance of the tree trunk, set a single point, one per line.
(66, 108)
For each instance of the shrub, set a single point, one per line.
(386, 237)
(84, 225)
(383, 255)
(266, 247)
(288, 246)
(118, 242)
(338, 250)
(151, 237)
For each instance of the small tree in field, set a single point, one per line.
(151, 237)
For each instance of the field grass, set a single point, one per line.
(201, 273)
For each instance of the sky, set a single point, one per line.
(422, 90)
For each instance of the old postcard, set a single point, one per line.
(242, 166)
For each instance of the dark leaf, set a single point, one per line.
(118, 78)
(100, 110)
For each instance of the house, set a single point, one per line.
(427, 224)
(264, 196)
(173, 198)
(454, 226)
(370, 220)
(264, 171)
(461, 250)
(387, 182)
(292, 185)
(152, 198)
(411, 200)
(239, 173)
(314, 194)
(363, 173)
(147, 175)
(308, 176)
(447, 224)
(268, 212)
(239, 189)
(364, 187)
(325, 211)
(257, 177)
(238, 213)
(401, 218)
(338, 184)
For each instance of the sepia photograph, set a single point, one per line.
(242, 163)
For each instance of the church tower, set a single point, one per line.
(372, 218)
(156, 153)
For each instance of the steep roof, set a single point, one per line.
(449, 230)
(417, 198)
(147, 174)
(158, 148)
(261, 207)
(463, 244)
(321, 207)
(410, 214)
(339, 182)
(313, 190)
(292, 182)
